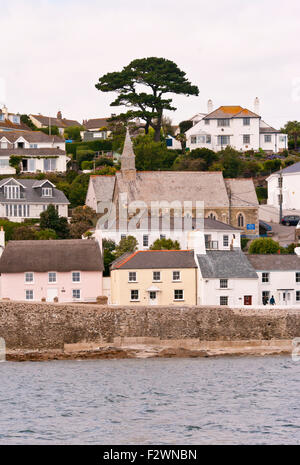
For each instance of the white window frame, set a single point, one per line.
(132, 274)
(223, 283)
(145, 240)
(223, 122)
(29, 292)
(223, 299)
(268, 138)
(47, 192)
(25, 277)
(246, 136)
(178, 299)
(179, 276)
(265, 279)
(74, 292)
(246, 121)
(153, 276)
(225, 240)
(76, 281)
(52, 273)
(137, 295)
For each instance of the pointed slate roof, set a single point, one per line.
(128, 148)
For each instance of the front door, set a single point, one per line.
(153, 297)
(247, 299)
(51, 293)
(285, 297)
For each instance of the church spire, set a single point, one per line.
(128, 160)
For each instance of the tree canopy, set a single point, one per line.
(159, 76)
(165, 244)
(292, 128)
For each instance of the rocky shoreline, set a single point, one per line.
(143, 352)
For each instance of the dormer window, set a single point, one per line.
(12, 192)
(47, 191)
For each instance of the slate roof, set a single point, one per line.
(60, 123)
(156, 259)
(207, 186)
(51, 255)
(295, 168)
(275, 262)
(33, 195)
(103, 187)
(231, 111)
(242, 192)
(95, 123)
(223, 264)
(30, 136)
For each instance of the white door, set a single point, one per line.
(51, 293)
(285, 298)
(153, 297)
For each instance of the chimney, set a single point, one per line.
(256, 106)
(209, 106)
(5, 111)
(2, 240)
(195, 241)
(59, 115)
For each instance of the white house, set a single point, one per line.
(37, 152)
(278, 276)
(216, 235)
(234, 126)
(286, 181)
(22, 199)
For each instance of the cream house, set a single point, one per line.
(154, 277)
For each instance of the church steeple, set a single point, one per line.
(128, 160)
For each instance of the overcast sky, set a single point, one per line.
(53, 52)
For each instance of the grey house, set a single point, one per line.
(28, 198)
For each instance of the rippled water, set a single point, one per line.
(166, 401)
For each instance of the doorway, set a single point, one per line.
(51, 293)
(153, 297)
(247, 299)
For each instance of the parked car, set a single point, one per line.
(265, 229)
(290, 220)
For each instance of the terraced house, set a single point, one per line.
(33, 152)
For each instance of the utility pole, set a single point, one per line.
(229, 209)
(280, 196)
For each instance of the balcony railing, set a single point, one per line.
(212, 245)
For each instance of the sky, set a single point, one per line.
(54, 51)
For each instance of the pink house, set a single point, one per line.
(64, 270)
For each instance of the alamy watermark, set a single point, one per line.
(160, 215)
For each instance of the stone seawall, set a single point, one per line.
(39, 331)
